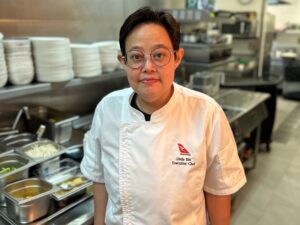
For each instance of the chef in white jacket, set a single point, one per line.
(159, 153)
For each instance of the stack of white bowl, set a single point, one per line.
(86, 60)
(53, 59)
(108, 55)
(3, 70)
(19, 61)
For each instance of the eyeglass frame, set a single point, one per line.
(124, 57)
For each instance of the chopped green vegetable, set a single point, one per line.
(8, 169)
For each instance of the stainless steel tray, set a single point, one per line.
(21, 172)
(64, 171)
(54, 213)
(77, 189)
(28, 200)
(39, 144)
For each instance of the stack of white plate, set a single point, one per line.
(19, 61)
(3, 70)
(108, 55)
(53, 59)
(86, 60)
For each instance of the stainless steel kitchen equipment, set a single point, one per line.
(22, 110)
(291, 83)
(28, 200)
(80, 212)
(207, 82)
(42, 150)
(239, 24)
(239, 68)
(56, 168)
(71, 189)
(206, 53)
(19, 166)
(5, 131)
(65, 175)
(58, 124)
(14, 141)
(245, 111)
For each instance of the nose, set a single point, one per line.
(148, 63)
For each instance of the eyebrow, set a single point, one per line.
(152, 48)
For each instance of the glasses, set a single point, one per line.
(136, 59)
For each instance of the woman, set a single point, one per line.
(159, 153)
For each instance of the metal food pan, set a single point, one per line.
(58, 124)
(7, 131)
(28, 200)
(64, 197)
(56, 170)
(38, 151)
(68, 171)
(16, 140)
(59, 171)
(21, 172)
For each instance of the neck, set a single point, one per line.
(151, 106)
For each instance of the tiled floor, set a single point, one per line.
(272, 193)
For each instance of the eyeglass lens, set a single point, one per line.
(159, 56)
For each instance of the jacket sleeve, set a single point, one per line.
(91, 165)
(225, 173)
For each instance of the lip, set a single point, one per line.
(149, 80)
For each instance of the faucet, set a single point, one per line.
(24, 110)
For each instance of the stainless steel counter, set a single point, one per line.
(246, 111)
(240, 99)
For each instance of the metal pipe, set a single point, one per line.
(262, 39)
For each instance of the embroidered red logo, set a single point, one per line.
(183, 150)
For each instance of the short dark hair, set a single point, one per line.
(146, 15)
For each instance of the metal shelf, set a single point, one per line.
(16, 91)
(102, 77)
(191, 15)
(10, 92)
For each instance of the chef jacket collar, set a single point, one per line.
(159, 114)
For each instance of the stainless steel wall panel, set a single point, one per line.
(7, 9)
(81, 20)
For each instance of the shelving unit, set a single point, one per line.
(9, 92)
(16, 91)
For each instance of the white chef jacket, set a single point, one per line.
(155, 171)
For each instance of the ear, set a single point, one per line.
(120, 58)
(179, 56)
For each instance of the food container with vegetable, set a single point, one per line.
(41, 150)
(28, 200)
(58, 124)
(13, 167)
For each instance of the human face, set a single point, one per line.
(152, 83)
